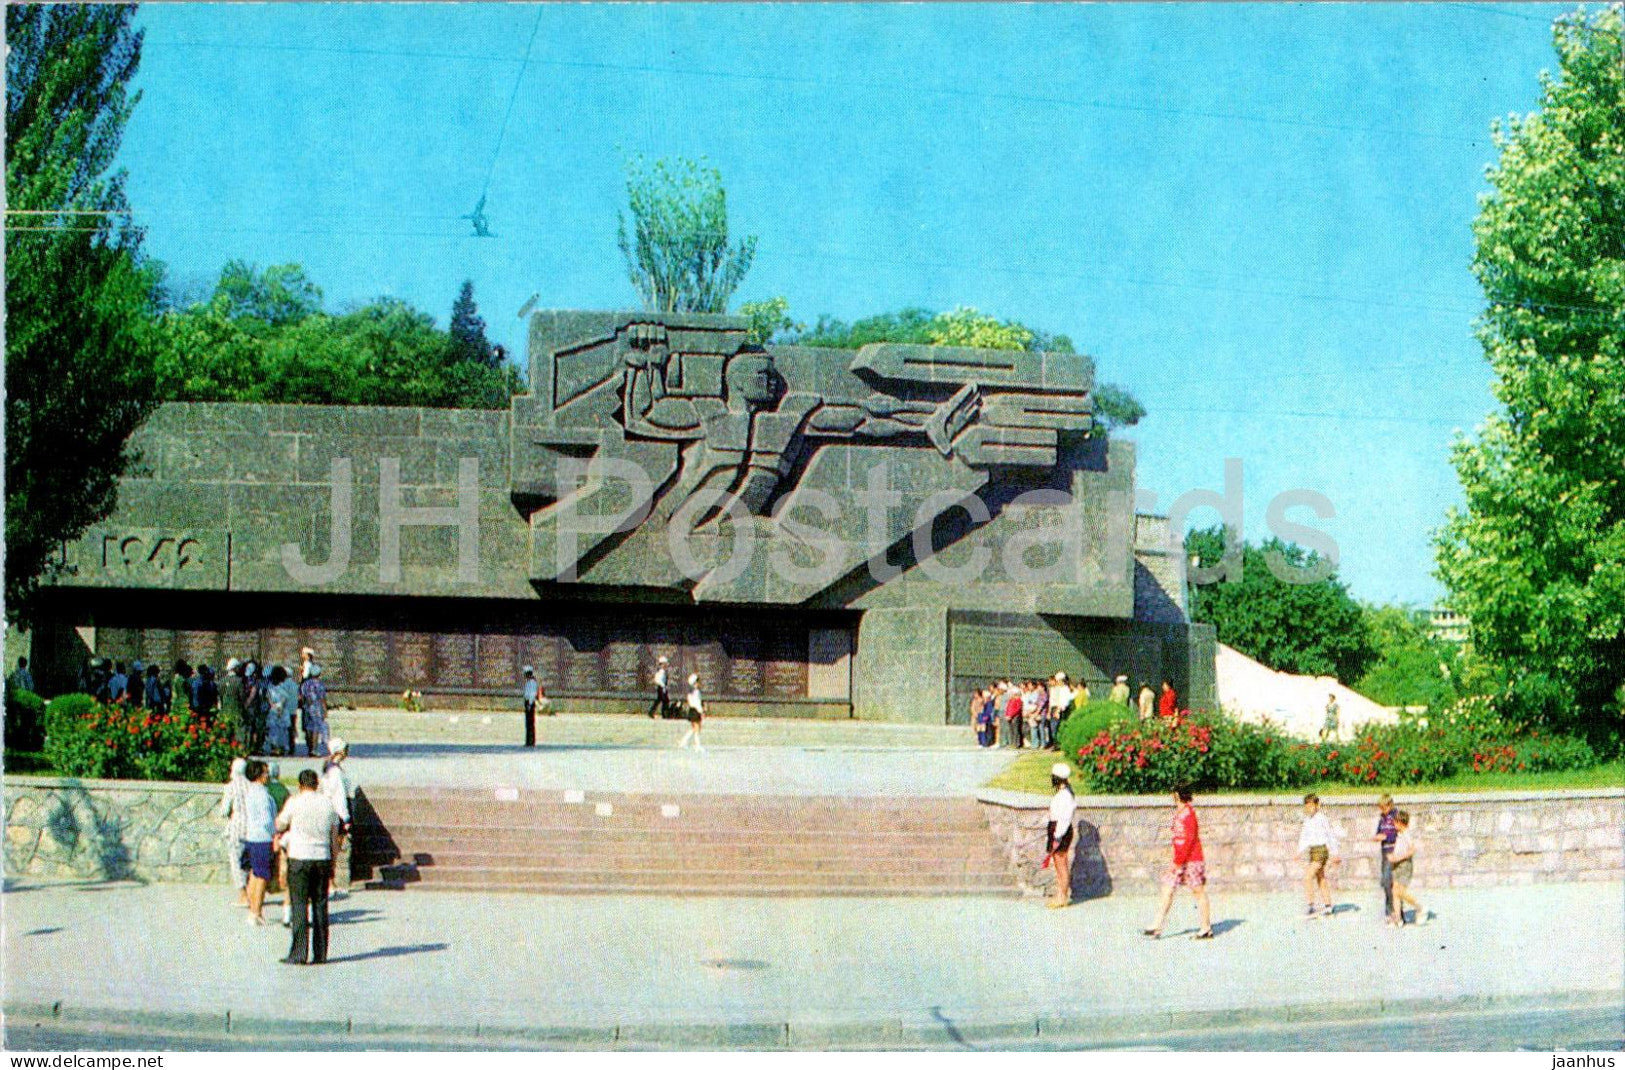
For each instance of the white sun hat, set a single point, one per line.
(1062, 770)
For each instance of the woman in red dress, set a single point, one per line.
(1188, 869)
(1168, 701)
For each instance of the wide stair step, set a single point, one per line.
(544, 841)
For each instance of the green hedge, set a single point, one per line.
(1212, 751)
(84, 738)
(1086, 722)
(25, 721)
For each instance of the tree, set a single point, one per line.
(768, 318)
(78, 376)
(1536, 559)
(1115, 407)
(280, 295)
(382, 353)
(1314, 628)
(468, 341)
(677, 252)
(1411, 666)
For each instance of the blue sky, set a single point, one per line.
(1256, 217)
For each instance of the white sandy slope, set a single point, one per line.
(1251, 691)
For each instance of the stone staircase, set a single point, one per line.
(560, 843)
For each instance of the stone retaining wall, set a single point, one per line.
(1251, 843)
(113, 830)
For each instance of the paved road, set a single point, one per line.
(666, 972)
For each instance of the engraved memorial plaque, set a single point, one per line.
(369, 660)
(330, 646)
(624, 665)
(541, 652)
(583, 657)
(703, 654)
(453, 659)
(497, 665)
(244, 646)
(119, 644)
(413, 654)
(158, 648)
(784, 671)
(199, 648)
(280, 646)
(744, 663)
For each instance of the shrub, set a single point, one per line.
(1215, 752)
(84, 738)
(1083, 724)
(25, 721)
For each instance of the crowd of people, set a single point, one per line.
(1028, 713)
(298, 843)
(267, 706)
(1318, 844)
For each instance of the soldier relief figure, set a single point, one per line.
(721, 427)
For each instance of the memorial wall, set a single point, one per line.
(797, 525)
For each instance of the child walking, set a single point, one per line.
(1403, 861)
(696, 714)
(1319, 838)
(1189, 869)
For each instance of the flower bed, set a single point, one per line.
(85, 738)
(1211, 751)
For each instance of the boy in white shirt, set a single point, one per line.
(1318, 837)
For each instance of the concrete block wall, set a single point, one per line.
(1250, 843)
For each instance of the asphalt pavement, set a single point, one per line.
(421, 969)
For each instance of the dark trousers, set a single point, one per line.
(530, 724)
(662, 703)
(307, 895)
(1387, 885)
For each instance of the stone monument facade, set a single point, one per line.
(817, 532)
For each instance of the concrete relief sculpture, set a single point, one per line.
(676, 426)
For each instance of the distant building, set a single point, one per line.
(1448, 625)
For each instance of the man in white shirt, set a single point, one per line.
(662, 700)
(259, 830)
(336, 786)
(307, 822)
(1319, 838)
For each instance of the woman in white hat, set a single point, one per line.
(1063, 809)
(695, 708)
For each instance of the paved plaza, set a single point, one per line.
(640, 756)
(700, 972)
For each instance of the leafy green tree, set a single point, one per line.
(280, 295)
(1411, 666)
(1536, 559)
(1114, 406)
(1268, 613)
(677, 250)
(78, 378)
(768, 319)
(382, 353)
(468, 341)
